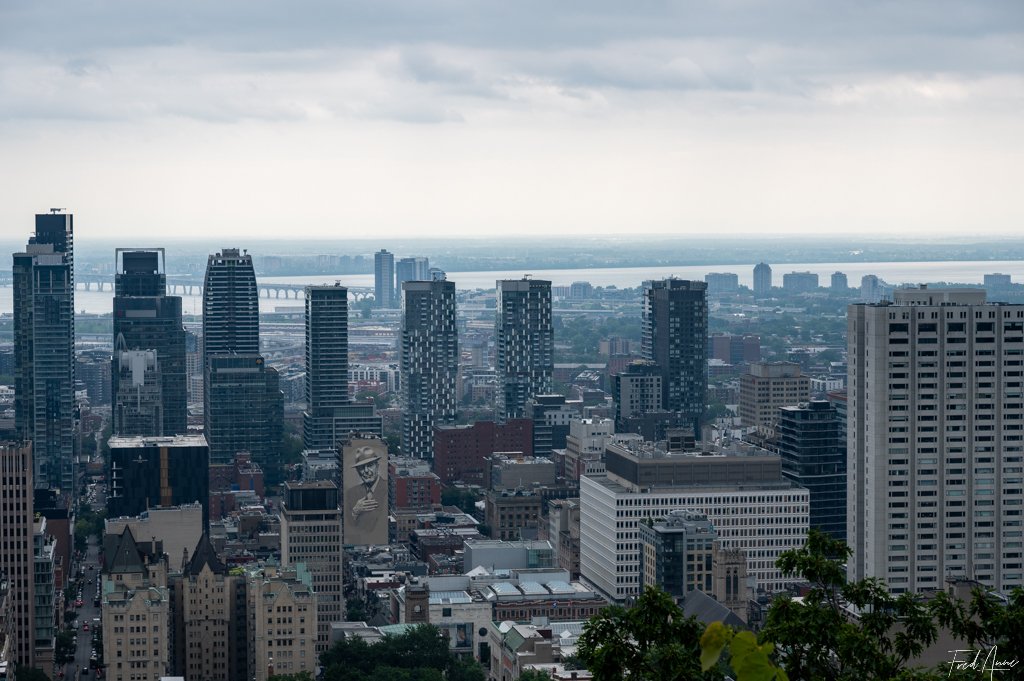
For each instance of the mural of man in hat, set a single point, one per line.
(363, 502)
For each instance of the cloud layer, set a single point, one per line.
(450, 116)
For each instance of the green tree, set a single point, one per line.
(419, 654)
(652, 641)
(818, 639)
(985, 622)
(534, 675)
(64, 648)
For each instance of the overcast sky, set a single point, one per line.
(198, 118)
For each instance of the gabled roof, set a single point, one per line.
(205, 555)
(707, 610)
(121, 554)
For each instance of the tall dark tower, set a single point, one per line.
(430, 362)
(525, 340)
(326, 363)
(44, 347)
(384, 279)
(244, 406)
(675, 337)
(146, 319)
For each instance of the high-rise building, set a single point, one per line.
(429, 361)
(551, 416)
(44, 346)
(384, 279)
(311, 535)
(766, 387)
(525, 341)
(840, 284)
(813, 456)
(147, 472)
(326, 384)
(138, 402)
(637, 391)
(762, 280)
(146, 319)
(722, 282)
(676, 552)
(935, 440)
(17, 562)
(244, 406)
(245, 409)
(411, 269)
(45, 591)
(675, 336)
(231, 305)
(742, 493)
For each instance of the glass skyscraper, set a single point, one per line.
(147, 319)
(525, 340)
(44, 346)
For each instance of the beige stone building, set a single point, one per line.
(311, 534)
(210, 620)
(136, 609)
(769, 386)
(282, 621)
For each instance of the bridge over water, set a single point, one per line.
(193, 286)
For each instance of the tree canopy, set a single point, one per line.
(420, 654)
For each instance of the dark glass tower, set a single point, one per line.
(525, 340)
(429, 361)
(675, 337)
(384, 279)
(244, 406)
(146, 472)
(147, 319)
(44, 346)
(814, 455)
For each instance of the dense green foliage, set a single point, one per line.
(420, 654)
(652, 641)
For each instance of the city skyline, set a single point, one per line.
(461, 120)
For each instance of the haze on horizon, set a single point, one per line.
(402, 119)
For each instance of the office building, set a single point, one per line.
(136, 600)
(935, 440)
(551, 416)
(814, 456)
(138, 400)
(245, 409)
(525, 344)
(762, 280)
(997, 282)
(384, 279)
(147, 472)
(459, 451)
(637, 391)
(676, 553)
(675, 335)
(429, 361)
(283, 621)
(799, 282)
(740, 490)
(765, 388)
(17, 561)
(327, 371)
(231, 310)
(311, 535)
(44, 347)
(244, 406)
(146, 319)
(411, 269)
(734, 349)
